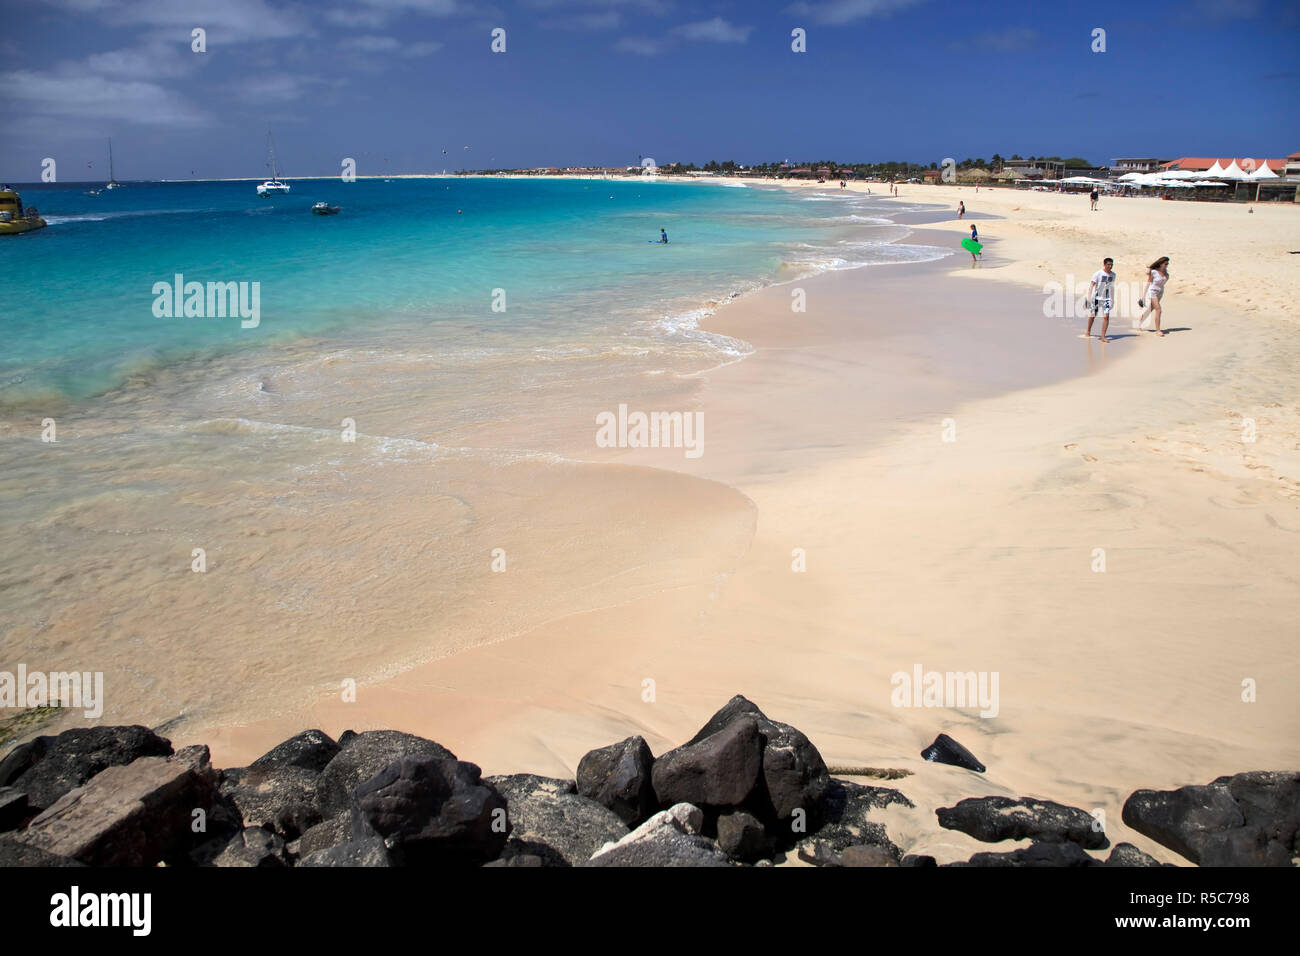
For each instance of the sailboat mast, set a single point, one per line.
(270, 143)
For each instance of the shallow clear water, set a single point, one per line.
(348, 467)
(405, 257)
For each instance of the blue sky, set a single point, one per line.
(393, 83)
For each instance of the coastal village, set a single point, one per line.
(1201, 178)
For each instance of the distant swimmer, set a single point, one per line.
(663, 237)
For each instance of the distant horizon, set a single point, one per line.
(461, 173)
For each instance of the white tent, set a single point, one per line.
(1234, 171)
(1262, 172)
(1207, 182)
(1215, 170)
(1180, 174)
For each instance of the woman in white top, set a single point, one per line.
(1157, 275)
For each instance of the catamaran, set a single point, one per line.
(272, 186)
(112, 183)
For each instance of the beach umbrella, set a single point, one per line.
(1206, 182)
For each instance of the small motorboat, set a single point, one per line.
(14, 218)
(325, 209)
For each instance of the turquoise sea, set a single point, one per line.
(572, 257)
(227, 521)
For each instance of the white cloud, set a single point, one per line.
(274, 88)
(1009, 40)
(75, 92)
(846, 11)
(370, 44)
(716, 30)
(421, 49)
(642, 46)
(376, 13)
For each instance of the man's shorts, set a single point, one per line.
(1100, 305)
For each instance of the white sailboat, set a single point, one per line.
(112, 183)
(273, 186)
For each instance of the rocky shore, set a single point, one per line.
(745, 790)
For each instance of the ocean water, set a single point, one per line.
(418, 258)
(229, 520)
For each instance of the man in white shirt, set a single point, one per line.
(1100, 294)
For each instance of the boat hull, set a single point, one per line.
(16, 226)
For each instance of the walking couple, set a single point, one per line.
(1101, 296)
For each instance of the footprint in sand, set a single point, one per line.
(1280, 527)
(1088, 458)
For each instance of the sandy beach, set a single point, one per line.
(978, 553)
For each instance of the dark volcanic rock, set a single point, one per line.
(918, 861)
(552, 822)
(48, 767)
(719, 770)
(22, 758)
(742, 837)
(13, 853)
(1244, 846)
(279, 797)
(1126, 854)
(1037, 854)
(946, 750)
(436, 810)
(519, 859)
(845, 811)
(818, 853)
(310, 750)
(371, 851)
(1269, 800)
(618, 777)
(1000, 818)
(363, 755)
(322, 836)
(794, 776)
(669, 838)
(1183, 819)
(13, 807)
(253, 847)
(132, 815)
(860, 856)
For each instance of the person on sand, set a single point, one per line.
(1092, 196)
(1157, 276)
(975, 237)
(1100, 293)
(961, 210)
